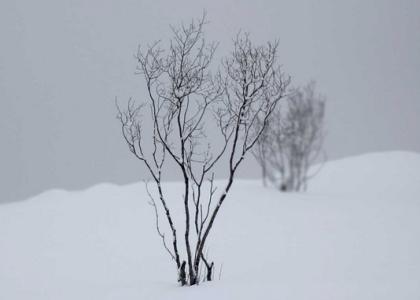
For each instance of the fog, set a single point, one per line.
(62, 63)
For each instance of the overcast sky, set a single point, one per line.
(62, 63)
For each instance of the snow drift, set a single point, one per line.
(354, 235)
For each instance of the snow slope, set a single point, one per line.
(354, 235)
(378, 173)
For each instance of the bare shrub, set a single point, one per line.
(184, 101)
(293, 140)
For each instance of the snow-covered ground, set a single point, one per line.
(354, 235)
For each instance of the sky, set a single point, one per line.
(63, 63)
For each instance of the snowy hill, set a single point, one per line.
(375, 173)
(354, 235)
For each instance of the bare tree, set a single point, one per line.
(185, 99)
(293, 140)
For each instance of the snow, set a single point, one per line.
(354, 235)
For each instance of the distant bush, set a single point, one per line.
(293, 140)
